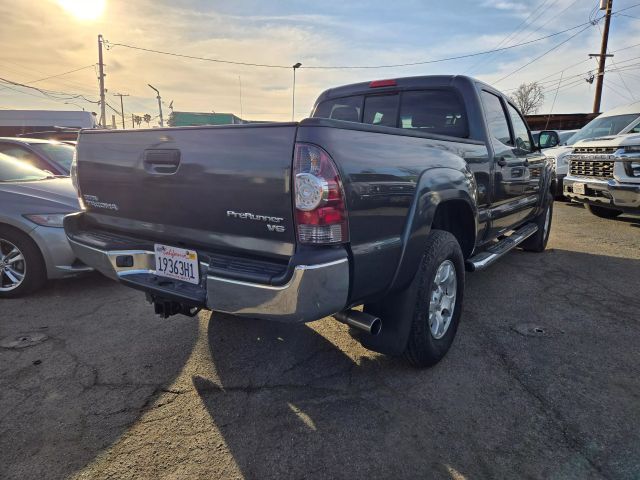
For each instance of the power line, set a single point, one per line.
(540, 80)
(513, 34)
(60, 74)
(48, 93)
(619, 74)
(345, 67)
(545, 53)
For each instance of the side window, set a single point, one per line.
(381, 110)
(520, 130)
(496, 118)
(22, 154)
(434, 111)
(635, 129)
(347, 109)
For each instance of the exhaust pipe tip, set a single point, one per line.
(376, 326)
(360, 320)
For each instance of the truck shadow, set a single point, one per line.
(102, 356)
(307, 401)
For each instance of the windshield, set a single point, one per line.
(57, 152)
(603, 126)
(13, 170)
(566, 136)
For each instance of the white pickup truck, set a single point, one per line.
(604, 174)
(621, 120)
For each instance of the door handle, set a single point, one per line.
(161, 161)
(502, 162)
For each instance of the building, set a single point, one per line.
(187, 119)
(559, 121)
(22, 122)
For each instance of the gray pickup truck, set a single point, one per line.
(381, 199)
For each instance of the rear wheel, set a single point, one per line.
(603, 212)
(22, 269)
(438, 304)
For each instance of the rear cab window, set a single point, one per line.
(347, 108)
(436, 111)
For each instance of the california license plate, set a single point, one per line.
(578, 188)
(177, 263)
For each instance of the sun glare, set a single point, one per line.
(84, 9)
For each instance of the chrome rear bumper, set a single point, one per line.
(312, 292)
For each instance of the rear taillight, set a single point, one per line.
(321, 216)
(74, 179)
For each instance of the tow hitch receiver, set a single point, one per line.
(166, 308)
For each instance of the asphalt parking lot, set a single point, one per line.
(542, 381)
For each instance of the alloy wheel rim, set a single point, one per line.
(442, 301)
(13, 266)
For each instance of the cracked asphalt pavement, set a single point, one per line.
(542, 381)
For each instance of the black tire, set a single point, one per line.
(603, 212)
(423, 349)
(558, 194)
(538, 241)
(35, 272)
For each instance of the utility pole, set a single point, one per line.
(293, 106)
(159, 103)
(603, 54)
(103, 114)
(121, 105)
(133, 121)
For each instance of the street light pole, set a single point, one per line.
(293, 103)
(159, 103)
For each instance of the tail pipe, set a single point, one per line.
(360, 320)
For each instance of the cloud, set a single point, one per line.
(51, 42)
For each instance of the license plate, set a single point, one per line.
(177, 263)
(578, 188)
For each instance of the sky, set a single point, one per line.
(47, 38)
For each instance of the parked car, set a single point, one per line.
(561, 137)
(381, 199)
(33, 246)
(49, 155)
(604, 175)
(624, 119)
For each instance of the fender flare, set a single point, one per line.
(434, 187)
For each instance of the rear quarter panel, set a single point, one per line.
(391, 193)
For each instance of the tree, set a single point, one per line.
(147, 119)
(528, 97)
(138, 120)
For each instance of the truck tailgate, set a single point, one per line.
(224, 188)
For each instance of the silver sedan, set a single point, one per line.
(33, 245)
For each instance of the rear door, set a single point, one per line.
(512, 200)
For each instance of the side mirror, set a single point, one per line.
(548, 139)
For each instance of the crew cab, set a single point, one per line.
(604, 175)
(381, 200)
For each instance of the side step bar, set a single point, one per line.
(485, 258)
